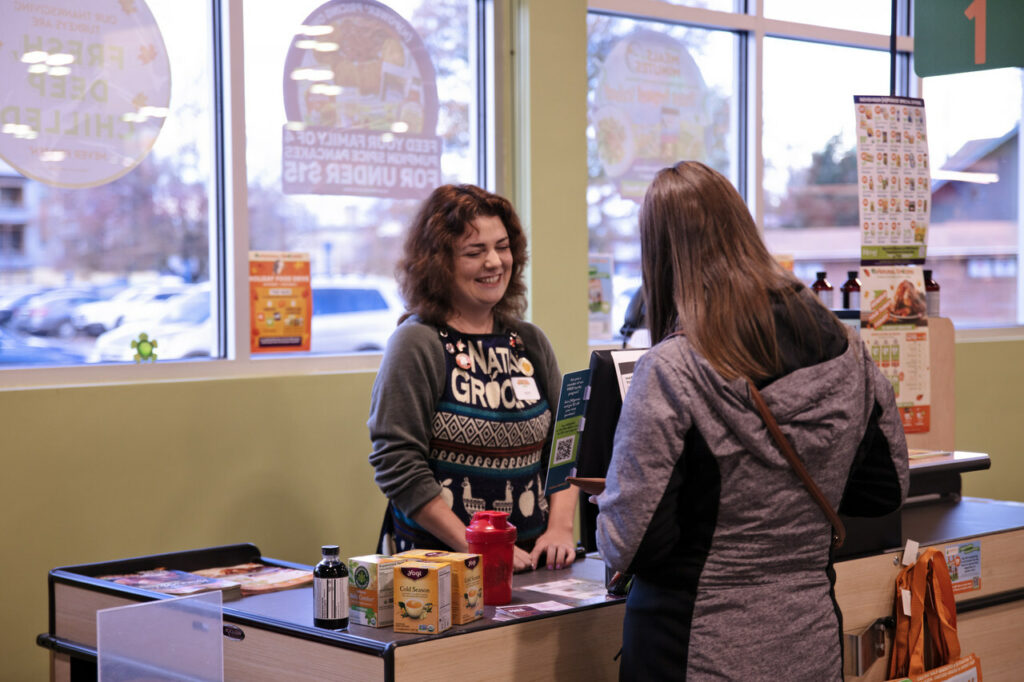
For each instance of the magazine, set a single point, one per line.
(256, 578)
(176, 583)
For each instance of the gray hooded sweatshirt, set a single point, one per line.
(699, 499)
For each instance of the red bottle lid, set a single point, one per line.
(490, 527)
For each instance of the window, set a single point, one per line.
(656, 94)
(973, 126)
(10, 197)
(801, 63)
(128, 167)
(396, 86)
(393, 96)
(810, 164)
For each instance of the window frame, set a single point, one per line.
(753, 27)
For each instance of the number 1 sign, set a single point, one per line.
(953, 36)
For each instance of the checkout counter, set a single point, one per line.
(271, 636)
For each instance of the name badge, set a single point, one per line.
(525, 388)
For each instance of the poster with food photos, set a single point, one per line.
(280, 302)
(894, 327)
(894, 183)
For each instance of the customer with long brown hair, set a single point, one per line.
(461, 411)
(731, 554)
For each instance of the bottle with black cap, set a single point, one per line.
(330, 591)
(823, 289)
(851, 291)
(931, 288)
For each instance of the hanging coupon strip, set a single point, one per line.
(894, 184)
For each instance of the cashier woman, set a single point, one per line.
(461, 412)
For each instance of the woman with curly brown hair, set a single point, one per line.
(461, 413)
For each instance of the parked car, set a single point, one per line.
(26, 351)
(133, 304)
(186, 330)
(352, 315)
(13, 299)
(49, 314)
(349, 315)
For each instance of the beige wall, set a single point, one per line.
(100, 473)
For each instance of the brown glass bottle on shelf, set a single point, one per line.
(851, 291)
(823, 289)
(931, 294)
(330, 591)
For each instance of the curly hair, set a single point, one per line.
(425, 273)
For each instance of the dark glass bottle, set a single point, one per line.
(330, 591)
(851, 291)
(931, 294)
(823, 289)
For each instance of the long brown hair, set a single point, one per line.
(425, 271)
(706, 271)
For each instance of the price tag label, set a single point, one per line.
(910, 552)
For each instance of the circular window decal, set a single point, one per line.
(86, 89)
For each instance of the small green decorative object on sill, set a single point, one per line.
(144, 348)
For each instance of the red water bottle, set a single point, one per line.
(491, 536)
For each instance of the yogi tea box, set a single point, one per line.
(423, 597)
(467, 581)
(371, 593)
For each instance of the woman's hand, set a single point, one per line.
(521, 560)
(558, 545)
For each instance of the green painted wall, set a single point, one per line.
(989, 378)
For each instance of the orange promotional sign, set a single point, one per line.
(280, 302)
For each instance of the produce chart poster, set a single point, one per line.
(894, 183)
(360, 96)
(280, 302)
(894, 326)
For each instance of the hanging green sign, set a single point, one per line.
(953, 36)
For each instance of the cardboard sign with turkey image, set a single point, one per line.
(894, 319)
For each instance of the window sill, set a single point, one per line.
(183, 370)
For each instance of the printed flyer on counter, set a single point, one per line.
(894, 187)
(894, 328)
(281, 302)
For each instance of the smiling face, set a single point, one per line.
(482, 267)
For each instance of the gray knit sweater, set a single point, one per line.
(409, 385)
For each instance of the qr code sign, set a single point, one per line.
(563, 449)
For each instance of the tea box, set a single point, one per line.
(371, 592)
(467, 581)
(423, 597)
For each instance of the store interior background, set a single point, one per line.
(100, 472)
